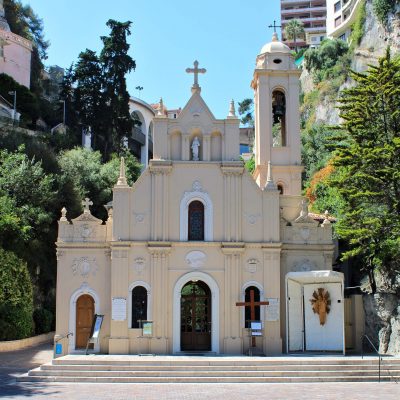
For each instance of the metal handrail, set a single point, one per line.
(64, 336)
(376, 351)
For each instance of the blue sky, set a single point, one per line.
(225, 36)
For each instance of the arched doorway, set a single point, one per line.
(196, 317)
(84, 320)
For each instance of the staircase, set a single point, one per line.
(197, 369)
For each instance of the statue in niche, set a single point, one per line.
(195, 148)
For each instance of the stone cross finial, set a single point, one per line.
(196, 71)
(232, 111)
(86, 205)
(63, 212)
(160, 107)
(270, 185)
(122, 178)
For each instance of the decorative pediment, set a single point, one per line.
(196, 109)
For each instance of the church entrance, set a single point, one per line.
(84, 320)
(196, 317)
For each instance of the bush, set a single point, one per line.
(382, 8)
(16, 298)
(43, 320)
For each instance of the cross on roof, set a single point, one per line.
(86, 203)
(274, 26)
(252, 304)
(196, 71)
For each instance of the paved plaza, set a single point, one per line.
(15, 363)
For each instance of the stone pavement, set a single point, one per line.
(18, 362)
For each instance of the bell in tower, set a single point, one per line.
(277, 117)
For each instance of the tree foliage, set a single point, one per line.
(95, 179)
(16, 305)
(368, 167)
(294, 30)
(116, 63)
(382, 9)
(246, 109)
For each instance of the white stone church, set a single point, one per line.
(197, 234)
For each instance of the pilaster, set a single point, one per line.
(159, 199)
(232, 173)
(272, 342)
(119, 341)
(233, 342)
(158, 280)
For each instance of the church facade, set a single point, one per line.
(197, 234)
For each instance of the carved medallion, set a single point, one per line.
(84, 266)
(139, 265)
(196, 259)
(86, 231)
(252, 218)
(251, 265)
(321, 304)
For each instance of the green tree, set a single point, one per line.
(367, 162)
(16, 305)
(246, 109)
(94, 179)
(294, 30)
(89, 97)
(116, 63)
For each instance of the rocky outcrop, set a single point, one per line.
(382, 313)
(376, 39)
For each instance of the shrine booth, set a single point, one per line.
(315, 311)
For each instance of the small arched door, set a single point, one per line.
(196, 317)
(84, 320)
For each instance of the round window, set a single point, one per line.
(277, 61)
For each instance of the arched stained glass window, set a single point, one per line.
(196, 221)
(139, 306)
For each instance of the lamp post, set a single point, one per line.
(14, 93)
(139, 88)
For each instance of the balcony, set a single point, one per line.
(305, 20)
(302, 10)
(306, 3)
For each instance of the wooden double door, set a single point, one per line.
(84, 320)
(196, 317)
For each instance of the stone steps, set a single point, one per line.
(169, 369)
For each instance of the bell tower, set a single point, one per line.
(277, 118)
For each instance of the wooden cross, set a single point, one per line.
(252, 304)
(86, 203)
(274, 26)
(196, 71)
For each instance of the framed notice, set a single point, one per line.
(272, 310)
(256, 328)
(147, 328)
(118, 312)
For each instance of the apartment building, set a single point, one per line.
(341, 15)
(313, 15)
